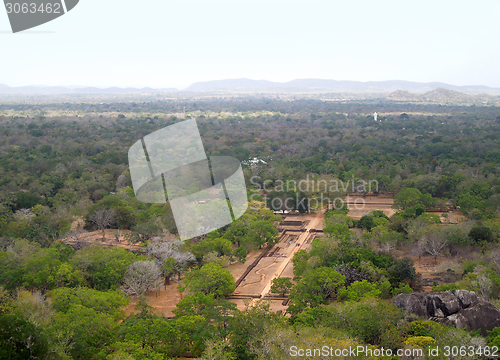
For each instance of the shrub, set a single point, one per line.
(422, 328)
(359, 290)
(446, 287)
(420, 341)
(493, 337)
(481, 233)
(401, 289)
(368, 320)
(403, 271)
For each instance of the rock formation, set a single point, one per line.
(460, 308)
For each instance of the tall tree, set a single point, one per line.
(209, 279)
(141, 276)
(169, 256)
(103, 218)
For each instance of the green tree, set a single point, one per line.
(103, 268)
(209, 279)
(217, 312)
(281, 286)
(20, 339)
(219, 246)
(128, 350)
(359, 290)
(315, 288)
(406, 198)
(366, 222)
(480, 233)
(87, 330)
(263, 232)
(299, 261)
(403, 271)
(44, 272)
(241, 254)
(109, 302)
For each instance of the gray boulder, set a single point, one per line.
(436, 304)
(414, 303)
(483, 316)
(442, 304)
(462, 309)
(466, 297)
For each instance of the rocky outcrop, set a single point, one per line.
(414, 303)
(482, 316)
(460, 308)
(466, 297)
(442, 304)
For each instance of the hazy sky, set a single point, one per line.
(173, 43)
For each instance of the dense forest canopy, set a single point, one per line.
(75, 156)
(64, 171)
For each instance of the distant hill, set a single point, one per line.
(401, 95)
(60, 90)
(442, 96)
(308, 85)
(399, 89)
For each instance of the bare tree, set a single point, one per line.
(141, 276)
(494, 257)
(24, 215)
(387, 246)
(117, 234)
(433, 244)
(35, 307)
(484, 284)
(103, 218)
(169, 256)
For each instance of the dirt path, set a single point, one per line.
(163, 303)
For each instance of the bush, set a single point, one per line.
(424, 328)
(468, 267)
(368, 320)
(481, 233)
(359, 290)
(446, 287)
(401, 289)
(403, 271)
(493, 337)
(420, 341)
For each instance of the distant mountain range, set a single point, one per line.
(61, 90)
(248, 85)
(312, 85)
